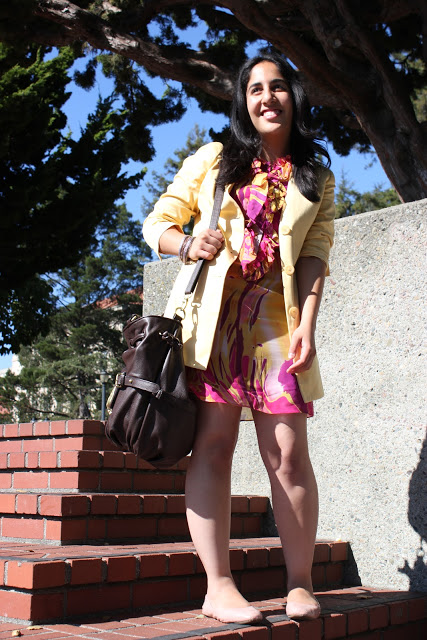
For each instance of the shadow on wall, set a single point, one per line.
(417, 516)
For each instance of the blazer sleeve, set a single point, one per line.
(180, 202)
(320, 236)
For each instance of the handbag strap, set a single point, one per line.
(124, 379)
(219, 194)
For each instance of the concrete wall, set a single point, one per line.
(368, 435)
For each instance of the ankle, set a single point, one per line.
(302, 583)
(224, 593)
(220, 584)
(300, 592)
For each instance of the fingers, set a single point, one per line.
(206, 244)
(303, 351)
(294, 344)
(303, 363)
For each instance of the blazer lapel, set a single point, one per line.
(296, 207)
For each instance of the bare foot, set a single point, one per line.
(301, 596)
(224, 593)
(302, 605)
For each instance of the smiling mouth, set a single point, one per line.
(271, 113)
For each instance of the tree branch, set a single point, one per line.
(334, 47)
(191, 67)
(394, 91)
(75, 23)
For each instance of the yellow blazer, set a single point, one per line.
(306, 229)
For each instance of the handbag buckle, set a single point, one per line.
(118, 384)
(120, 380)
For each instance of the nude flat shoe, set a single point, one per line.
(239, 615)
(299, 611)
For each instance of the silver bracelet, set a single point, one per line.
(182, 247)
(185, 249)
(185, 258)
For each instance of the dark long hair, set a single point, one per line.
(245, 144)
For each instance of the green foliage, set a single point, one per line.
(24, 313)
(331, 126)
(415, 74)
(349, 202)
(143, 110)
(60, 371)
(54, 190)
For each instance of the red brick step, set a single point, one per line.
(354, 613)
(41, 582)
(75, 455)
(64, 482)
(99, 518)
(64, 470)
(58, 435)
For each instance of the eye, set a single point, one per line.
(280, 86)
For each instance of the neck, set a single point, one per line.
(271, 150)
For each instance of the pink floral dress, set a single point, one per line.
(249, 356)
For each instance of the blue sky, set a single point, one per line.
(358, 168)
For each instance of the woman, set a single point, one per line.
(249, 327)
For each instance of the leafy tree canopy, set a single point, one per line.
(55, 188)
(59, 376)
(361, 62)
(60, 371)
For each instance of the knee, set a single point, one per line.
(217, 451)
(288, 464)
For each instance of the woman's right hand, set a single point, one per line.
(206, 244)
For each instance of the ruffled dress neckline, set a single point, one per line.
(262, 202)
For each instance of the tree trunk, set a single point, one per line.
(400, 150)
(364, 75)
(84, 413)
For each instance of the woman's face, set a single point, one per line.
(269, 103)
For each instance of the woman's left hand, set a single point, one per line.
(302, 348)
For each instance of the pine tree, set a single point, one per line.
(60, 371)
(159, 182)
(56, 186)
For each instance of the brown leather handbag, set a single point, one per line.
(151, 413)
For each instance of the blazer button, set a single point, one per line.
(285, 230)
(289, 269)
(294, 312)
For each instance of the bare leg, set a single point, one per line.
(208, 498)
(283, 445)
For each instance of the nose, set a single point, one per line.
(267, 95)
